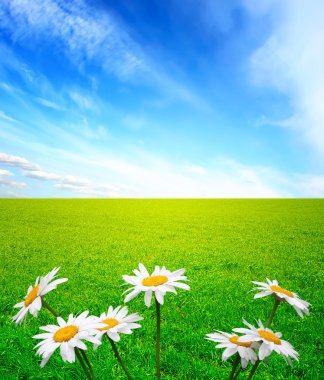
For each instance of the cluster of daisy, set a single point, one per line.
(70, 336)
(257, 343)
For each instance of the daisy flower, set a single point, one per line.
(33, 299)
(159, 282)
(269, 340)
(281, 294)
(67, 336)
(233, 345)
(117, 321)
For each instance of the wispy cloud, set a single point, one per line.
(49, 104)
(17, 162)
(4, 181)
(5, 173)
(83, 101)
(43, 176)
(6, 117)
(154, 177)
(291, 61)
(84, 34)
(77, 185)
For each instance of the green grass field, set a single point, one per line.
(223, 244)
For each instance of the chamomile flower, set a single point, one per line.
(33, 299)
(233, 345)
(281, 294)
(159, 282)
(269, 340)
(67, 336)
(116, 321)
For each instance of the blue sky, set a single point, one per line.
(161, 98)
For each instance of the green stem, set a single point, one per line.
(119, 358)
(77, 352)
(235, 364)
(85, 358)
(48, 307)
(275, 306)
(158, 335)
(254, 368)
(276, 303)
(237, 373)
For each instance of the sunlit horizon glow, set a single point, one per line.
(143, 99)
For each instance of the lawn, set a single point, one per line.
(223, 244)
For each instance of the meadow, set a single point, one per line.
(223, 244)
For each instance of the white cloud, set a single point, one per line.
(5, 173)
(40, 175)
(156, 178)
(17, 162)
(291, 61)
(101, 191)
(9, 194)
(63, 179)
(69, 179)
(5, 182)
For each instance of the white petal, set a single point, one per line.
(64, 351)
(61, 322)
(148, 298)
(122, 313)
(159, 297)
(143, 270)
(228, 353)
(132, 295)
(264, 351)
(46, 359)
(50, 328)
(262, 294)
(131, 279)
(180, 285)
(114, 336)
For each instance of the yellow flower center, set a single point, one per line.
(154, 280)
(269, 336)
(110, 322)
(278, 289)
(65, 333)
(234, 339)
(31, 296)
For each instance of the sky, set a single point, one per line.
(160, 99)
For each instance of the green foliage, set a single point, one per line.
(223, 244)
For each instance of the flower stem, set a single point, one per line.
(276, 303)
(48, 307)
(237, 373)
(119, 358)
(235, 364)
(158, 335)
(88, 363)
(254, 368)
(77, 352)
(256, 364)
